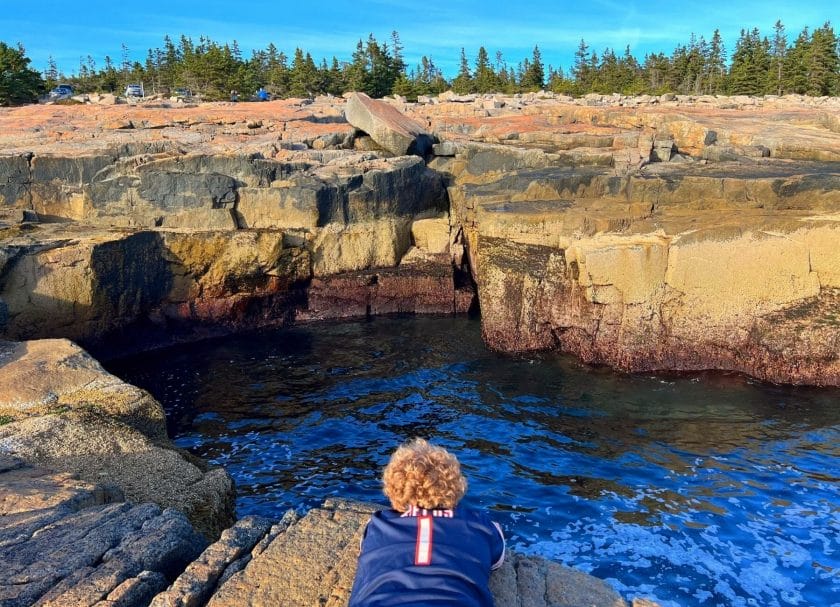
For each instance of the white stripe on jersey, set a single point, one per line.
(423, 548)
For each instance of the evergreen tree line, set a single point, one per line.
(759, 66)
(809, 65)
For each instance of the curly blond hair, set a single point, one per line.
(423, 475)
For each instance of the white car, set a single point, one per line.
(135, 91)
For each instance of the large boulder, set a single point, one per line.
(43, 376)
(388, 127)
(60, 410)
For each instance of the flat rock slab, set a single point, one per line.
(62, 543)
(313, 562)
(102, 450)
(42, 376)
(387, 126)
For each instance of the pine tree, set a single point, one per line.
(823, 63)
(463, 82)
(382, 75)
(533, 77)
(356, 75)
(397, 61)
(51, 73)
(716, 64)
(18, 82)
(485, 80)
(304, 75)
(750, 64)
(778, 49)
(582, 70)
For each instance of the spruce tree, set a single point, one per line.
(750, 64)
(51, 74)
(485, 80)
(795, 64)
(463, 82)
(581, 70)
(533, 76)
(778, 49)
(716, 65)
(356, 73)
(18, 82)
(822, 62)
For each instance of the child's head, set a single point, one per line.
(423, 475)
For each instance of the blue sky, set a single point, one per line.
(68, 30)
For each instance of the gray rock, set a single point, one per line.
(14, 180)
(195, 585)
(57, 556)
(445, 148)
(174, 191)
(387, 126)
(662, 150)
(100, 449)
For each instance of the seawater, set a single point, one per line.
(696, 489)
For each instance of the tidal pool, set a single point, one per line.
(692, 489)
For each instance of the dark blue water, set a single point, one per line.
(703, 489)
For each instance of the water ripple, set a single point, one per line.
(701, 489)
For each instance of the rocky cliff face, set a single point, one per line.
(653, 233)
(227, 241)
(673, 267)
(651, 265)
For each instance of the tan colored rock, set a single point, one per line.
(275, 208)
(101, 450)
(27, 489)
(313, 562)
(358, 246)
(81, 282)
(431, 235)
(752, 273)
(388, 127)
(214, 263)
(53, 375)
(198, 581)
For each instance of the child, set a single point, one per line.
(427, 550)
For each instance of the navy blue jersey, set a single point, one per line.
(427, 557)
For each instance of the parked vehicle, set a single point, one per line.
(62, 91)
(182, 93)
(135, 91)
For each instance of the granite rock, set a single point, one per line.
(313, 562)
(387, 126)
(62, 542)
